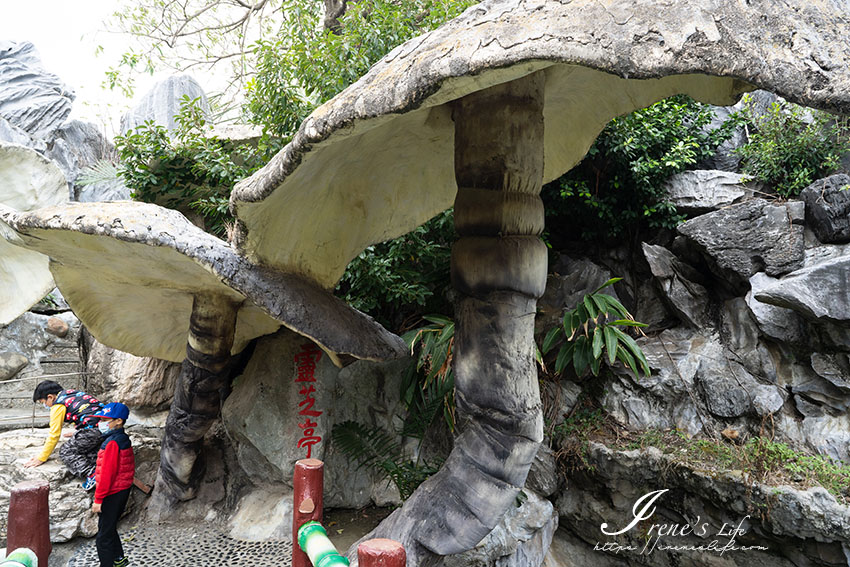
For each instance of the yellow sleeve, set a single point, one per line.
(57, 416)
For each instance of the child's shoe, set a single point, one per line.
(89, 482)
(123, 562)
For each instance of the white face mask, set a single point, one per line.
(103, 427)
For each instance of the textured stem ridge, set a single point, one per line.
(197, 399)
(499, 268)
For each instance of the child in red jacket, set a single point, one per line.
(116, 467)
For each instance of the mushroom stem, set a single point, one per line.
(197, 399)
(499, 268)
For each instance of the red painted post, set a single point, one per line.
(381, 553)
(28, 524)
(308, 487)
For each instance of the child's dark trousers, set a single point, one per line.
(108, 543)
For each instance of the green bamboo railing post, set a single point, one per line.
(21, 557)
(313, 540)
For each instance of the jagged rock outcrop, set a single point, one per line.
(790, 526)
(31, 98)
(144, 384)
(828, 208)
(754, 236)
(700, 191)
(162, 103)
(687, 298)
(818, 292)
(76, 146)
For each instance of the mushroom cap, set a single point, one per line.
(106, 257)
(377, 160)
(27, 181)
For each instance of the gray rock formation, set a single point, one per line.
(77, 146)
(31, 98)
(700, 191)
(754, 236)
(27, 338)
(778, 323)
(144, 384)
(521, 539)
(686, 298)
(162, 103)
(14, 135)
(262, 417)
(801, 528)
(11, 363)
(262, 412)
(828, 208)
(818, 292)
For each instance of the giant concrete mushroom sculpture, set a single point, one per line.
(480, 113)
(145, 280)
(27, 181)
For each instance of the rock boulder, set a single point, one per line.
(828, 208)
(743, 239)
(31, 98)
(700, 191)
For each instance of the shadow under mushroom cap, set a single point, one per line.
(130, 271)
(377, 160)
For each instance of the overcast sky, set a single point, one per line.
(66, 34)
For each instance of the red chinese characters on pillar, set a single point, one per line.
(305, 365)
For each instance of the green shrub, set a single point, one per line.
(618, 188)
(594, 327)
(307, 65)
(398, 280)
(790, 147)
(188, 170)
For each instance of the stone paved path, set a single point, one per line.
(157, 546)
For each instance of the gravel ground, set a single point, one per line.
(181, 546)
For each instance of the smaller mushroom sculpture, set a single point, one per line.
(145, 280)
(27, 181)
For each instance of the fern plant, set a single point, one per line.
(595, 326)
(378, 450)
(427, 391)
(100, 171)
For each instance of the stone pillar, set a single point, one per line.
(197, 400)
(499, 270)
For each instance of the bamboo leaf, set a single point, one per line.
(627, 359)
(611, 344)
(598, 342)
(590, 307)
(601, 304)
(594, 366)
(564, 357)
(628, 323)
(437, 319)
(550, 339)
(612, 281)
(581, 355)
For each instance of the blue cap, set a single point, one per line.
(114, 410)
